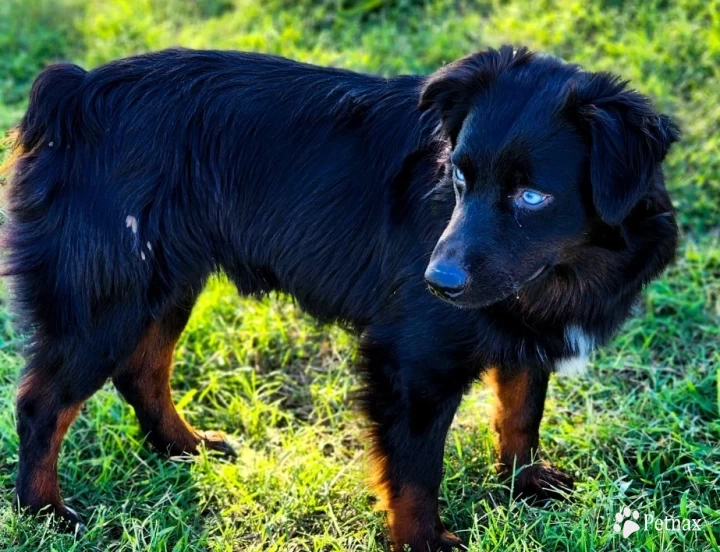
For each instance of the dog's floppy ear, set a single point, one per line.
(629, 140)
(451, 89)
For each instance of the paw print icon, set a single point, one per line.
(626, 522)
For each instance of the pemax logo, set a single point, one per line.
(627, 522)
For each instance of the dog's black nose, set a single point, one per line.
(446, 280)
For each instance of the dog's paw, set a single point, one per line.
(447, 542)
(542, 483)
(217, 441)
(66, 519)
(444, 541)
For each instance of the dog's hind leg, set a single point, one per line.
(43, 421)
(144, 381)
(62, 372)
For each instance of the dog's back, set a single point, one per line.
(149, 173)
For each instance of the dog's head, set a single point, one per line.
(555, 170)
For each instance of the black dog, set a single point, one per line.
(537, 185)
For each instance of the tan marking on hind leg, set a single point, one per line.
(144, 381)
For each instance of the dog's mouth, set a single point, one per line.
(464, 298)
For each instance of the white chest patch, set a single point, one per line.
(579, 345)
(573, 366)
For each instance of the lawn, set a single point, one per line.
(642, 429)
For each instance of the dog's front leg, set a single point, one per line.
(410, 423)
(519, 402)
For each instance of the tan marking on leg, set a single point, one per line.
(44, 483)
(412, 514)
(412, 517)
(377, 480)
(413, 520)
(513, 442)
(150, 366)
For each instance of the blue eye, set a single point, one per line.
(532, 198)
(459, 176)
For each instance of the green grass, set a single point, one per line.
(643, 429)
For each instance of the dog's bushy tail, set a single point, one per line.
(51, 117)
(52, 121)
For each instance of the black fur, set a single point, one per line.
(138, 179)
